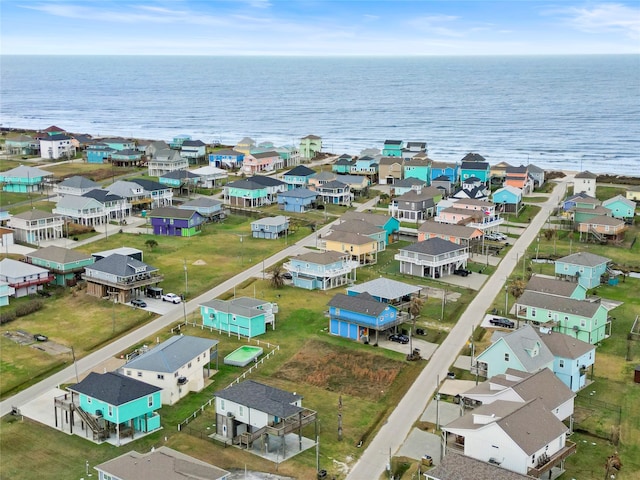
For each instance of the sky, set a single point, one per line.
(319, 27)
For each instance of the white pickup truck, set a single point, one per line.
(171, 297)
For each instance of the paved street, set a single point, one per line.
(394, 432)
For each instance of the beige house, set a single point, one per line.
(390, 170)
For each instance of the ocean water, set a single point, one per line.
(558, 112)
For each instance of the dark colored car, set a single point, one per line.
(399, 338)
(462, 272)
(502, 322)
(287, 275)
(420, 331)
(38, 337)
(136, 302)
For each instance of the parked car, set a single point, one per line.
(462, 272)
(38, 337)
(136, 302)
(287, 275)
(171, 297)
(399, 338)
(491, 236)
(501, 236)
(420, 331)
(502, 322)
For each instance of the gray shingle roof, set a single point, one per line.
(449, 229)
(566, 346)
(583, 308)
(78, 202)
(24, 171)
(120, 265)
(409, 182)
(586, 174)
(299, 193)
(179, 175)
(264, 398)
(585, 259)
(460, 467)
(300, 171)
(359, 227)
(79, 182)
(246, 185)
(201, 202)
(551, 286)
(172, 212)
(35, 215)
(59, 255)
(113, 388)
(433, 246)
(348, 238)
(172, 354)
(523, 342)
(266, 180)
(10, 268)
(245, 306)
(375, 219)
(321, 258)
(362, 303)
(102, 195)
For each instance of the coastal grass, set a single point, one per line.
(8, 199)
(97, 172)
(604, 192)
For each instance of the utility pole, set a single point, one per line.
(186, 279)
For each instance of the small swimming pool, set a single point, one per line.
(243, 356)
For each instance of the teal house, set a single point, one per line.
(67, 265)
(119, 143)
(475, 165)
(392, 148)
(111, 403)
(298, 177)
(343, 164)
(245, 194)
(621, 207)
(582, 319)
(583, 267)
(244, 316)
(509, 199)
(418, 167)
(6, 291)
(99, 153)
(179, 179)
(24, 179)
(22, 145)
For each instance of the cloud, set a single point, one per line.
(606, 17)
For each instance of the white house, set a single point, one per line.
(211, 177)
(34, 226)
(165, 161)
(75, 185)
(24, 278)
(179, 365)
(82, 210)
(56, 146)
(585, 182)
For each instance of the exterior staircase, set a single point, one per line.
(99, 432)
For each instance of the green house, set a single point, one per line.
(24, 179)
(245, 193)
(310, 146)
(66, 265)
(244, 316)
(392, 148)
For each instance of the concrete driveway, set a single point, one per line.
(426, 349)
(420, 443)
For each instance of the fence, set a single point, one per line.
(605, 411)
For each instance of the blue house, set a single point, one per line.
(366, 165)
(386, 222)
(299, 200)
(584, 267)
(448, 169)
(357, 317)
(475, 165)
(176, 222)
(99, 153)
(244, 316)
(407, 184)
(111, 401)
(298, 177)
(343, 164)
(270, 228)
(179, 178)
(392, 148)
(321, 271)
(227, 158)
(572, 358)
(510, 198)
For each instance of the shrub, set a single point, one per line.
(27, 308)
(6, 317)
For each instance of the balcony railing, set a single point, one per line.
(434, 261)
(127, 285)
(549, 462)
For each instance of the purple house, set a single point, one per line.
(176, 222)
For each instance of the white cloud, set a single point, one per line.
(606, 17)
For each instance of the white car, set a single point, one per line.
(171, 297)
(501, 236)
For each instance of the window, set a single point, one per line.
(175, 375)
(139, 374)
(549, 316)
(189, 365)
(88, 399)
(221, 404)
(583, 323)
(561, 363)
(241, 411)
(533, 311)
(150, 400)
(160, 376)
(506, 357)
(129, 372)
(110, 411)
(533, 458)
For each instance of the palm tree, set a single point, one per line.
(415, 307)
(517, 288)
(277, 276)
(151, 243)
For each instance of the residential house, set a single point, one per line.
(335, 193)
(249, 410)
(65, 264)
(392, 148)
(159, 195)
(119, 144)
(6, 291)
(621, 207)
(366, 166)
(586, 320)
(602, 228)
(53, 130)
(270, 228)
(449, 169)
(361, 248)
(6, 238)
(227, 158)
(389, 224)
(245, 145)
(390, 170)
(298, 177)
(432, 258)
(525, 438)
(115, 206)
(343, 164)
(388, 291)
(273, 185)
(153, 147)
(418, 167)
(126, 251)
(509, 198)
(22, 145)
(585, 182)
(310, 147)
(472, 189)
(415, 205)
(75, 185)
(454, 466)
(133, 194)
(412, 149)
(82, 210)
(262, 162)
(358, 184)
(110, 401)
(162, 463)
(572, 358)
(193, 150)
(25, 279)
(443, 183)
(129, 157)
(571, 201)
(470, 237)
(209, 208)
(176, 222)
(585, 209)
(633, 193)
(121, 278)
(99, 153)
(58, 146)
(23, 179)
(81, 140)
(537, 174)
(405, 185)
(178, 366)
(211, 177)
(554, 286)
(245, 194)
(518, 177)
(244, 316)
(474, 165)
(4, 217)
(584, 268)
(473, 213)
(499, 172)
(360, 317)
(321, 178)
(363, 228)
(35, 226)
(321, 271)
(298, 200)
(183, 181)
(178, 141)
(166, 161)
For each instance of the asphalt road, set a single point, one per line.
(393, 433)
(173, 316)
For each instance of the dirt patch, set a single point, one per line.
(199, 262)
(341, 370)
(25, 338)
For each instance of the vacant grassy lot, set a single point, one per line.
(97, 172)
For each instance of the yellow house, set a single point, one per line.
(633, 193)
(245, 145)
(361, 248)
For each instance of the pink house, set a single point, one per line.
(262, 162)
(471, 212)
